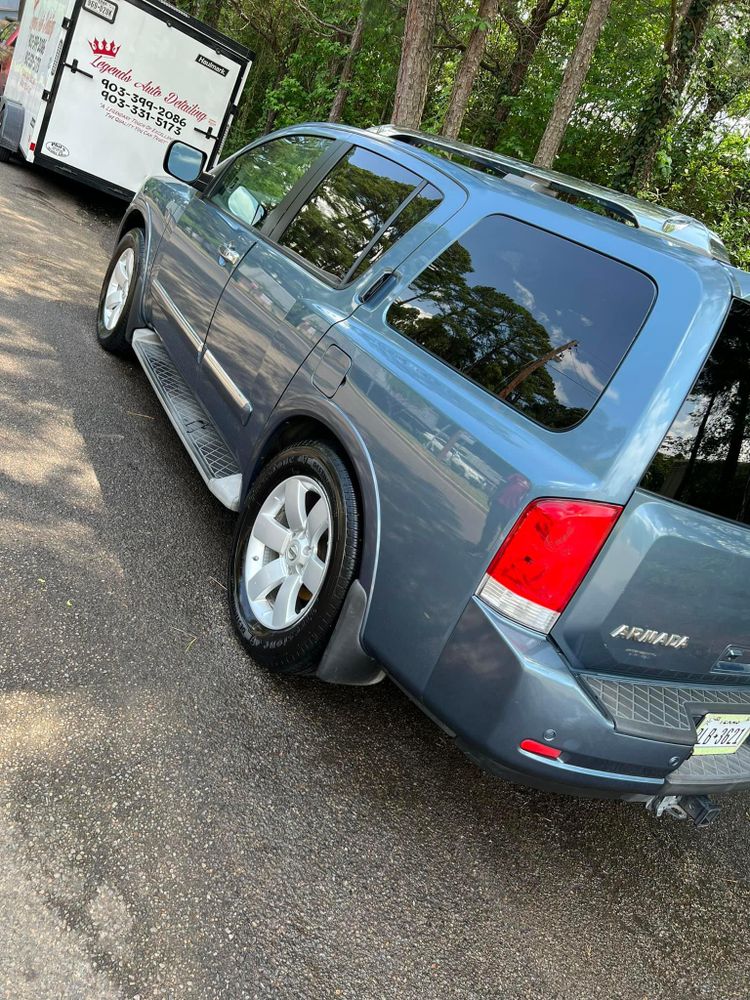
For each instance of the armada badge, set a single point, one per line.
(634, 634)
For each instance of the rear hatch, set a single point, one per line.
(669, 598)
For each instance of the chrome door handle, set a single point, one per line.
(228, 253)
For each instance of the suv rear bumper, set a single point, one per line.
(497, 684)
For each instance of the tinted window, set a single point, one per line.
(257, 181)
(704, 460)
(413, 212)
(538, 321)
(348, 210)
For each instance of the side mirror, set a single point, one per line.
(184, 162)
(243, 204)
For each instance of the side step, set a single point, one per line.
(195, 428)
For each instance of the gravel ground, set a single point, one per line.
(176, 823)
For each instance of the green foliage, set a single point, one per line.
(701, 164)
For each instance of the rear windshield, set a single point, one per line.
(704, 460)
(535, 319)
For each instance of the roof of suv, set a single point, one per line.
(632, 211)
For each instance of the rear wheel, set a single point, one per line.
(5, 155)
(118, 292)
(294, 557)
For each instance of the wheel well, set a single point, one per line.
(300, 429)
(134, 220)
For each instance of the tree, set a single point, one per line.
(468, 68)
(687, 24)
(355, 44)
(212, 12)
(528, 35)
(572, 81)
(416, 59)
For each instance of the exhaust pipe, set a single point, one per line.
(699, 808)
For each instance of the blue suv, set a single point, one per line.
(487, 429)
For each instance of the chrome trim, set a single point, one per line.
(231, 388)
(166, 300)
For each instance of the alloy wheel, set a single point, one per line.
(118, 288)
(288, 552)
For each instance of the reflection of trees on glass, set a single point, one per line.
(347, 209)
(270, 171)
(413, 212)
(705, 458)
(486, 335)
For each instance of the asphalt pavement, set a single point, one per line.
(175, 823)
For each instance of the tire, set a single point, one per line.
(285, 629)
(5, 155)
(112, 319)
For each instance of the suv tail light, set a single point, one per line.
(542, 562)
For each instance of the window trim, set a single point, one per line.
(338, 149)
(278, 221)
(291, 212)
(467, 378)
(349, 276)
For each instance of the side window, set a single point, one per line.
(704, 460)
(256, 182)
(538, 321)
(352, 210)
(413, 211)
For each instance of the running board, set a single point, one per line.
(195, 428)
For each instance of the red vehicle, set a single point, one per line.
(8, 36)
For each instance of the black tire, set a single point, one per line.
(115, 340)
(297, 650)
(5, 155)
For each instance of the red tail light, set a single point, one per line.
(544, 558)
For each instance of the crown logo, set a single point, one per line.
(104, 48)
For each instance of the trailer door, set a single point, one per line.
(134, 78)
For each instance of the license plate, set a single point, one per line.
(719, 733)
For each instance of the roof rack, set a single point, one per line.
(664, 222)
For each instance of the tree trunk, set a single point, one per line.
(572, 81)
(529, 35)
(681, 46)
(355, 44)
(212, 12)
(416, 58)
(468, 68)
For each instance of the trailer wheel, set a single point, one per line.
(118, 292)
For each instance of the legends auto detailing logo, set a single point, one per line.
(104, 48)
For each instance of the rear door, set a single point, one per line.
(670, 595)
(340, 238)
(130, 83)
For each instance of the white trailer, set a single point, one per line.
(99, 88)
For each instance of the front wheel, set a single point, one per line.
(294, 556)
(118, 292)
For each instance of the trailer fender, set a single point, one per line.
(11, 125)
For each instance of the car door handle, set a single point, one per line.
(229, 253)
(385, 279)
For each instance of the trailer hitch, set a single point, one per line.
(699, 808)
